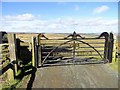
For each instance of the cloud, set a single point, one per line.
(63, 25)
(77, 8)
(112, 22)
(100, 9)
(22, 17)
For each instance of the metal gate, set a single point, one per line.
(74, 49)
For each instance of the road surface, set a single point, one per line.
(75, 76)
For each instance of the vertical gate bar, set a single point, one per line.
(110, 48)
(12, 50)
(74, 49)
(39, 51)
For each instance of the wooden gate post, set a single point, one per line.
(106, 46)
(114, 49)
(0, 37)
(17, 48)
(39, 50)
(12, 50)
(0, 57)
(34, 52)
(0, 46)
(110, 48)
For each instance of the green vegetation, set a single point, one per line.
(10, 85)
(115, 65)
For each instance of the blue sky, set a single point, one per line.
(56, 17)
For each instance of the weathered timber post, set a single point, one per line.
(12, 50)
(34, 52)
(0, 46)
(0, 52)
(0, 37)
(18, 48)
(106, 46)
(39, 51)
(114, 50)
(110, 48)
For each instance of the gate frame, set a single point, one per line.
(108, 46)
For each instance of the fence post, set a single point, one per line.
(39, 51)
(34, 52)
(12, 50)
(110, 48)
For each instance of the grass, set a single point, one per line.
(22, 75)
(10, 85)
(115, 65)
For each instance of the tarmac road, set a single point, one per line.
(76, 76)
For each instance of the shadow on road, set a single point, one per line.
(32, 78)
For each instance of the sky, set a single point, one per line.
(59, 17)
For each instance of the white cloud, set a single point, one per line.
(77, 8)
(112, 22)
(101, 9)
(63, 25)
(22, 17)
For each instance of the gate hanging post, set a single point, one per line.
(39, 51)
(0, 47)
(12, 50)
(0, 37)
(34, 52)
(110, 48)
(106, 35)
(114, 49)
